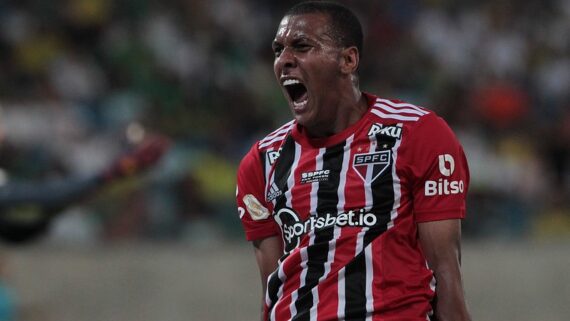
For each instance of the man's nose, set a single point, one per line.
(287, 59)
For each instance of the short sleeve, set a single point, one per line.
(254, 212)
(440, 174)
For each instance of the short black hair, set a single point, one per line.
(345, 26)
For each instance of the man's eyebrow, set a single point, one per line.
(325, 36)
(328, 35)
(299, 38)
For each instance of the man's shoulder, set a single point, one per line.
(422, 126)
(267, 147)
(275, 138)
(398, 111)
(415, 120)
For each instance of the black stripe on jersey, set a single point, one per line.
(355, 288)
(273, 285)
(383, 189)
(317, 254)
(382, 205)
(283, 167)
(263, 161)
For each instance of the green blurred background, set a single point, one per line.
(82, 79)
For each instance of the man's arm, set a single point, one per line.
(267, 253)
(441, 243)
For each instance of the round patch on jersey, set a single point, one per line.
(255, 209)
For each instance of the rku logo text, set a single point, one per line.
(390, 131)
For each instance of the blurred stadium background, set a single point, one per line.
(81, 79)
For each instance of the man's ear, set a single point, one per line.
(349, 60)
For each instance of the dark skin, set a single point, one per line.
(267, 253)
(306, 52)
(441, 243)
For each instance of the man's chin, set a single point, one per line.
(302, 114)
(303, 120)
(299, 119)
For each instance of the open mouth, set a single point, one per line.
(297, 92)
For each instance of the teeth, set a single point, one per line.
(289, 82)
(300, 103)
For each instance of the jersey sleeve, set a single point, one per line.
(440, 174)
(254, 211)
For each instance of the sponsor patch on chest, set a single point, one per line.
(315, 176)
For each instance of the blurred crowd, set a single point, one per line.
(81, 79)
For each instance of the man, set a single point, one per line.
(354, 206)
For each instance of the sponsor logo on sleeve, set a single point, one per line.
(241, 210)
(446, 164)
(444, 186)
(255, 209)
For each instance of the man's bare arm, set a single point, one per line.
(267, 253)
(441, 243)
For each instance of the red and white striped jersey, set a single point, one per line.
(346, 207)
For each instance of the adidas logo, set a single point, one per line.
(273, 192)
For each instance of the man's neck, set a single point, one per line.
(349, 110)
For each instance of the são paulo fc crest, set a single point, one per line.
(370, 166)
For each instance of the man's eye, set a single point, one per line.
(277, 51)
